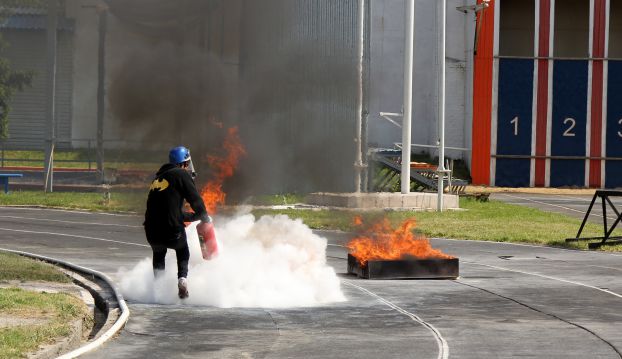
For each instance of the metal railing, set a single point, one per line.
(85, 146)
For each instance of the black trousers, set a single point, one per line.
(160, 243)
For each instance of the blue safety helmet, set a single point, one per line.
(179, 155)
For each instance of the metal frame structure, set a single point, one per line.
(607, 231)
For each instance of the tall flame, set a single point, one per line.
(381, 242)
(223, 168)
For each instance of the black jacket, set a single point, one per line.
(171, 186)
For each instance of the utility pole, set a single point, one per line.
(409, 25)
(52, 40)
(101, 91)
(441, 101)
(358, 163)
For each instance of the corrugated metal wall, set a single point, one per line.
(299, 73)
(27, 120)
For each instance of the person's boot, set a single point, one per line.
(182, 285)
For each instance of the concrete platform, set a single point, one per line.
(386, 200)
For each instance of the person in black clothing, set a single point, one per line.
(164, 218)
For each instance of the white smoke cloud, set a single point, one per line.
(273, 262)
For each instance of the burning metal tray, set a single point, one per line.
(434, 268)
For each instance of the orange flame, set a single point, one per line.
(223, 168)
(381, 242)
(357, 221)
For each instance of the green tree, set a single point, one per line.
(11, 80)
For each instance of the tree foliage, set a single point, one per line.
(10, 81)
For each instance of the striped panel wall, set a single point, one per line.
(570, 105)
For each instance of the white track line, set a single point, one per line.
(69, 210)
(72, 222)
(336, 245)
(548, 277)
(510, 244)
(531, 245)
(556, 205)
(443, 348)
(73, 236)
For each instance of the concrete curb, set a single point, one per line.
(119, 323)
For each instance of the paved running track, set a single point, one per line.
(571, 205)
(510, 301)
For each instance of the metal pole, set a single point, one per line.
(441, 102)
(358, 163)
(101, 91)
(409, 25)
(366, 83)
(52, 25)
(470, 50)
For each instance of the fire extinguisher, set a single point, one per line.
(207, 239)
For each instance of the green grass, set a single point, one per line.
(488, 221)
(15, 267)
(57, 309)
(276, 199)
(79, 158)
(121, 201)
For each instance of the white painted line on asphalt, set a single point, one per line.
(43, 208)
(532, 246)
(587, 200)
(72, 222)
(443, 348)
(73, 236)
(336, 245)
(548, 277)
(554, 205)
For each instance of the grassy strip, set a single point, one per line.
(118, 202)
(54, 311)
(276, 199)
(14, 267)
(75, 159)
(489, 221)
(492, 221)
(58, 309)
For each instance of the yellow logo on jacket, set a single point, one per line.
(159, 185)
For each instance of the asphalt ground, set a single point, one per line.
(510, 301)
(575, 205)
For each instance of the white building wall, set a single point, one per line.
(84, 124)
(386, 73)
(119, 42)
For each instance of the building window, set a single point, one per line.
(572, 28)
(516, 28)
(615, 29)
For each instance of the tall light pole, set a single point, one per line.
(52, 40)
(102, 12)
(409, 25)
(441, 101)
(358, 162)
